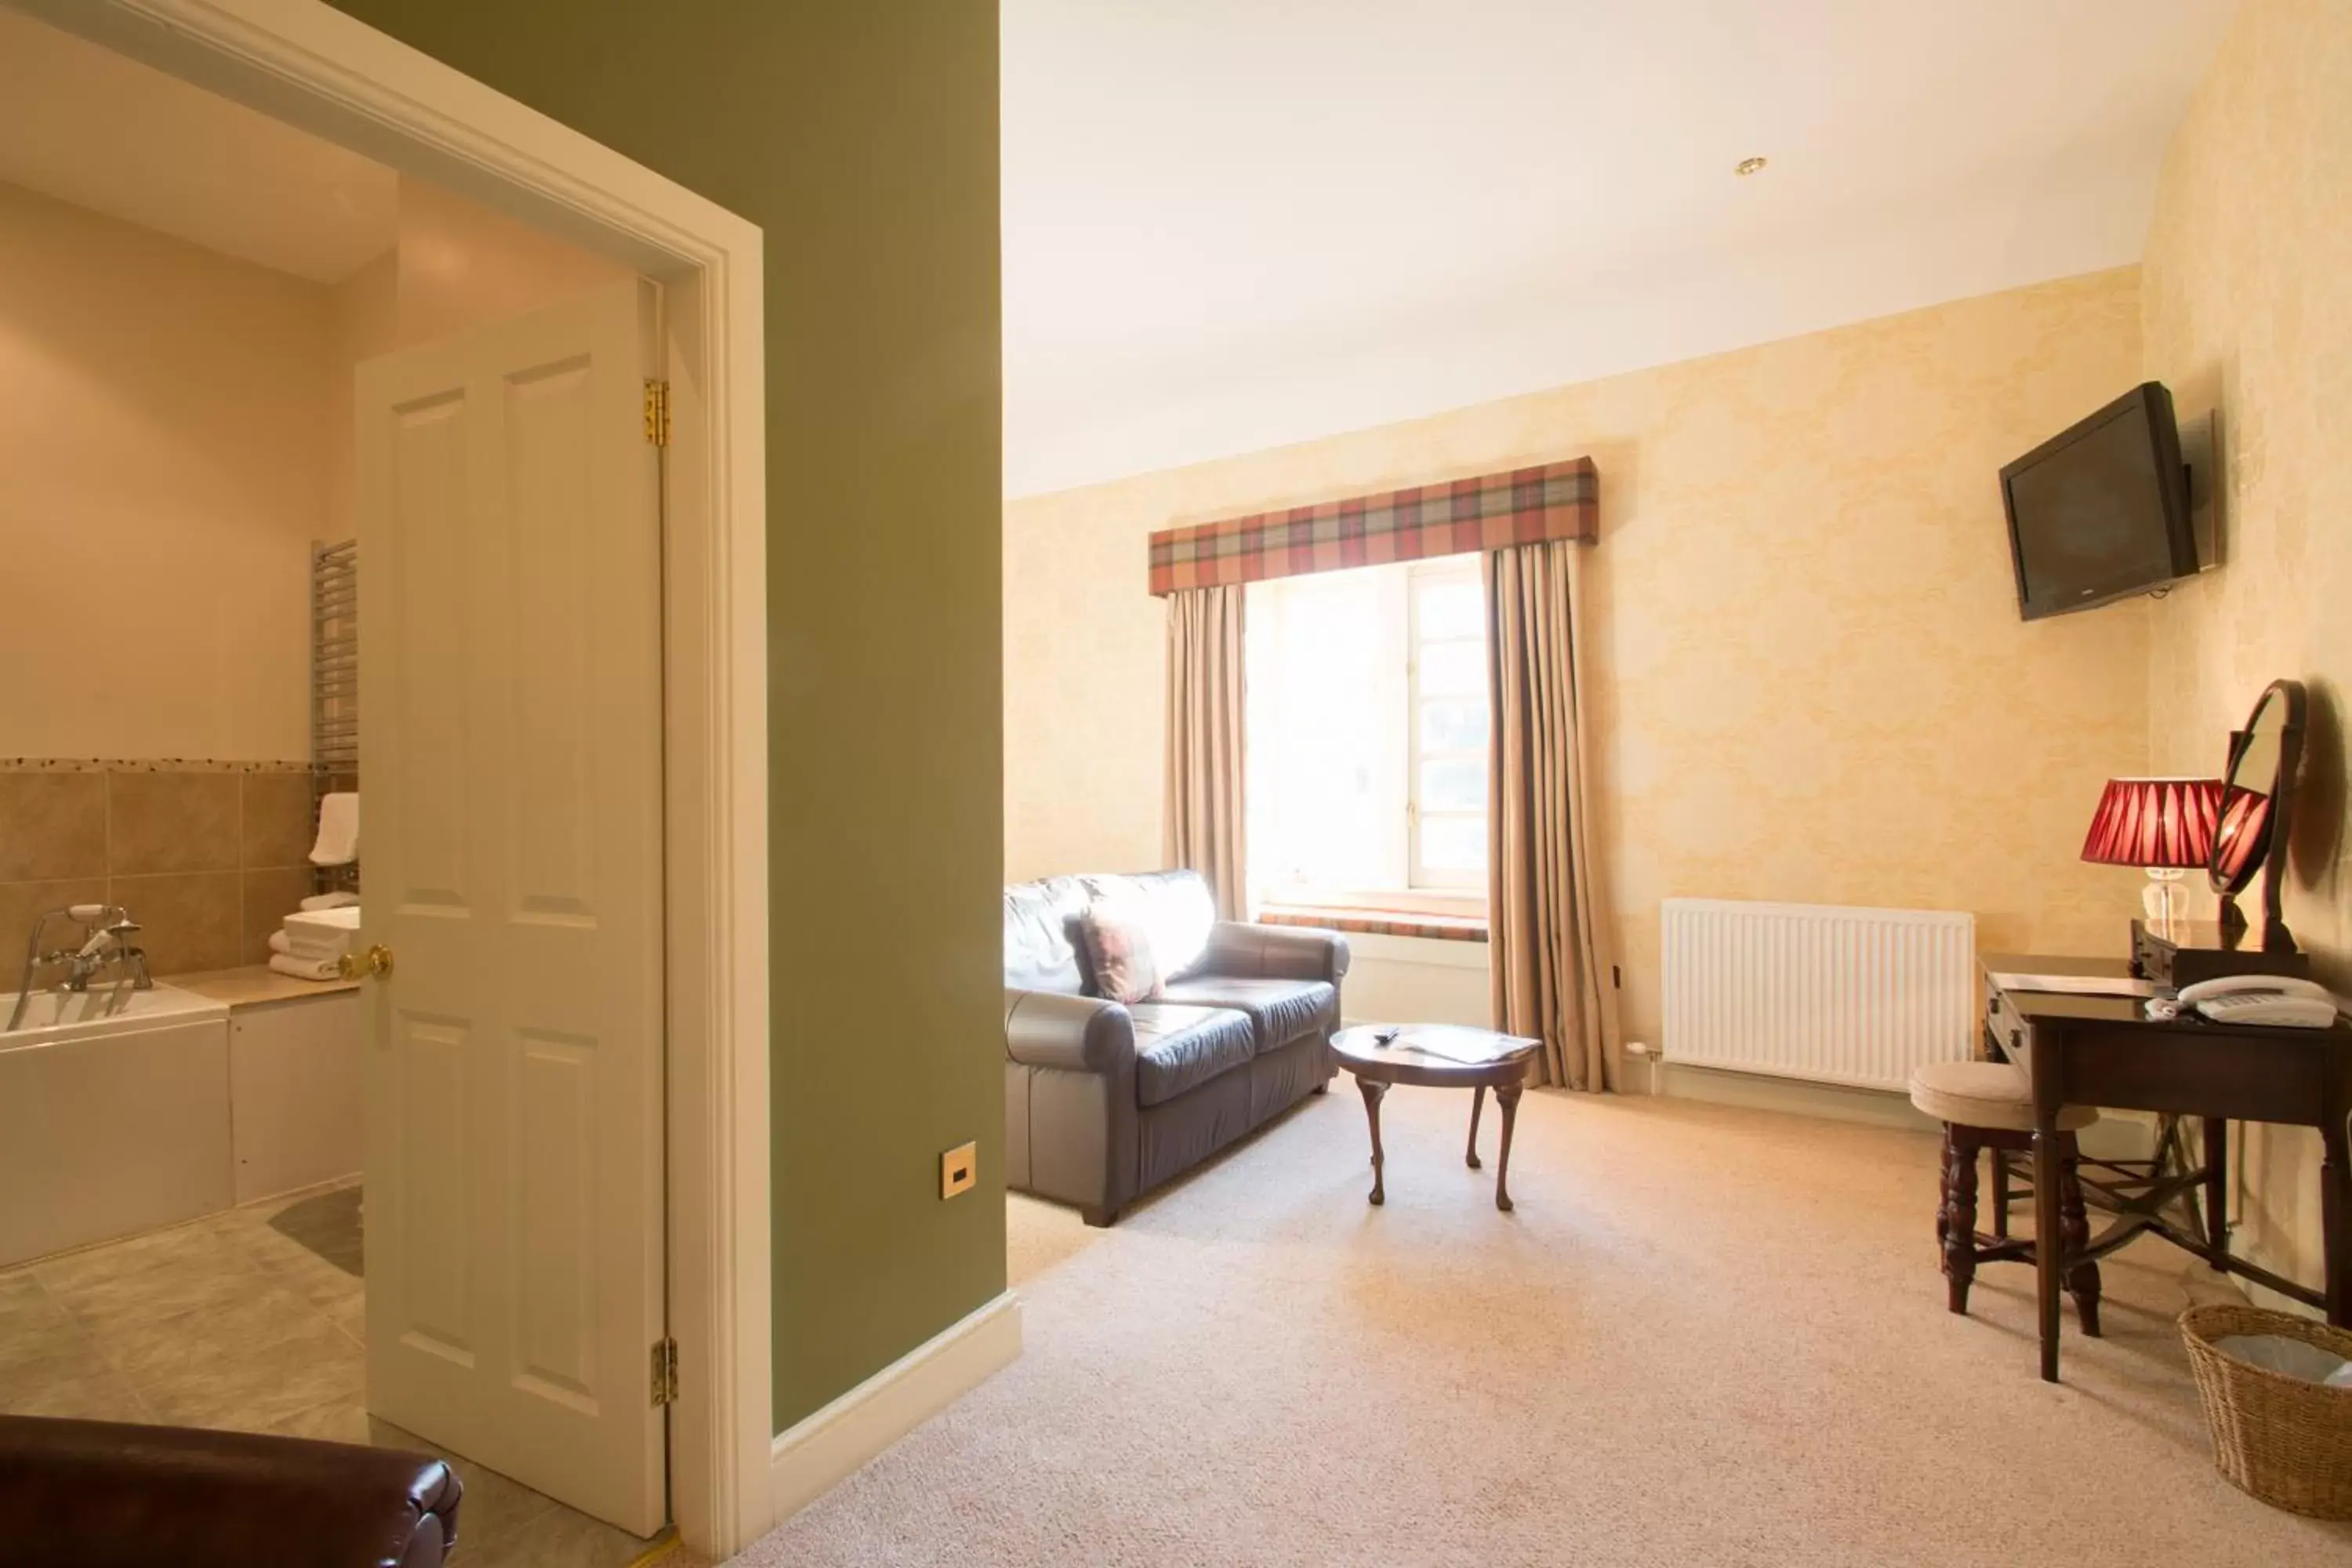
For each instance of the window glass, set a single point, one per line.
(1367, 734)
(1451, 607)
(1456, 844)
(1453, 726)
(1454, 669)
(1453, 785)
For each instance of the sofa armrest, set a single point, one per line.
(1274, 952)
(1074, 1033)
(93, 1491)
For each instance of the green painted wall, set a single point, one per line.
(862, 138)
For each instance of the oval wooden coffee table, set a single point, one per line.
(1499, 1062)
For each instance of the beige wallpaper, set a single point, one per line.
(1813, 684)
(162, 437)
(175, 428)
(2247, 306)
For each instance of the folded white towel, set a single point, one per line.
(339, 830)
(316, 934)
(323, 925)
(294, 947)
(338, 900)
(305, 968)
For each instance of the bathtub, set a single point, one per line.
(114, 1116)
(101, 1010)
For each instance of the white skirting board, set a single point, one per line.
(818, 1452)
(1790, 1096)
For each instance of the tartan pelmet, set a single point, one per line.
(1493, 511)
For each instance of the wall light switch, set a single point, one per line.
(959, 1169)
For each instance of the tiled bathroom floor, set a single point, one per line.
(249, 1320)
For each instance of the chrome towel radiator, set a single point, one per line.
(334, 687)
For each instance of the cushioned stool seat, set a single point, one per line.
(1986, 1094)
(1989, 1105)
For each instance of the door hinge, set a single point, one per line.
(657, 412)
(666, 1372)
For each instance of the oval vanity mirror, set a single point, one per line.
(2257, 793)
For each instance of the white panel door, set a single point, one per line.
(511, 694)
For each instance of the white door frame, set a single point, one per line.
(305, 63)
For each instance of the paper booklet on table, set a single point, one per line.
(2078, 984)
(1468, 1045)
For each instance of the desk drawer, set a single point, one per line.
(2004, 1032)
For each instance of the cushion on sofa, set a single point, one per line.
(1176, 908)
(1177, 1048)
(1280, 1011)
(1118, 950)
(1040, 951)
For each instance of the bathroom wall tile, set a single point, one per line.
(192, 922)
(52, 826)
(21, 903)
(268, 898)
(172, 822)
(278, 828)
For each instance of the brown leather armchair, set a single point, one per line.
(1103, 1102)
(96, 1494)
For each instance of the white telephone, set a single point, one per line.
(2261, 999)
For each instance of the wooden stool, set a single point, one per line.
(1988, 1105)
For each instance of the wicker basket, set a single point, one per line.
(2283, 1439)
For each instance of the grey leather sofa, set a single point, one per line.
(1103, 1102)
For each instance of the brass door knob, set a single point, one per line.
(375, 961)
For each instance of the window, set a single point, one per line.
(1447, 725)
(1367, 735)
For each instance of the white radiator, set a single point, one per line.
(1817, 990)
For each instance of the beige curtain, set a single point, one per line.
(1550, 951)
(1204, 740)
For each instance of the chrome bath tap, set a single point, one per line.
(110, 943)
(110, 929)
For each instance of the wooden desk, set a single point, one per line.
(2105, 1051)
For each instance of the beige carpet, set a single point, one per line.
(1707, 1336)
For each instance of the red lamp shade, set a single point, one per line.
(2244, 833)
(2155, 823)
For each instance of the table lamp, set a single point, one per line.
(2163, 826)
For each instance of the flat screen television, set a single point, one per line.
(2101, 510)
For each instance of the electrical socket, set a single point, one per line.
(959, 1169)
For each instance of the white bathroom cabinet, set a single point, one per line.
(294, 1093)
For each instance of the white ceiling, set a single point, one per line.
(1234, 224)
(88, 126)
